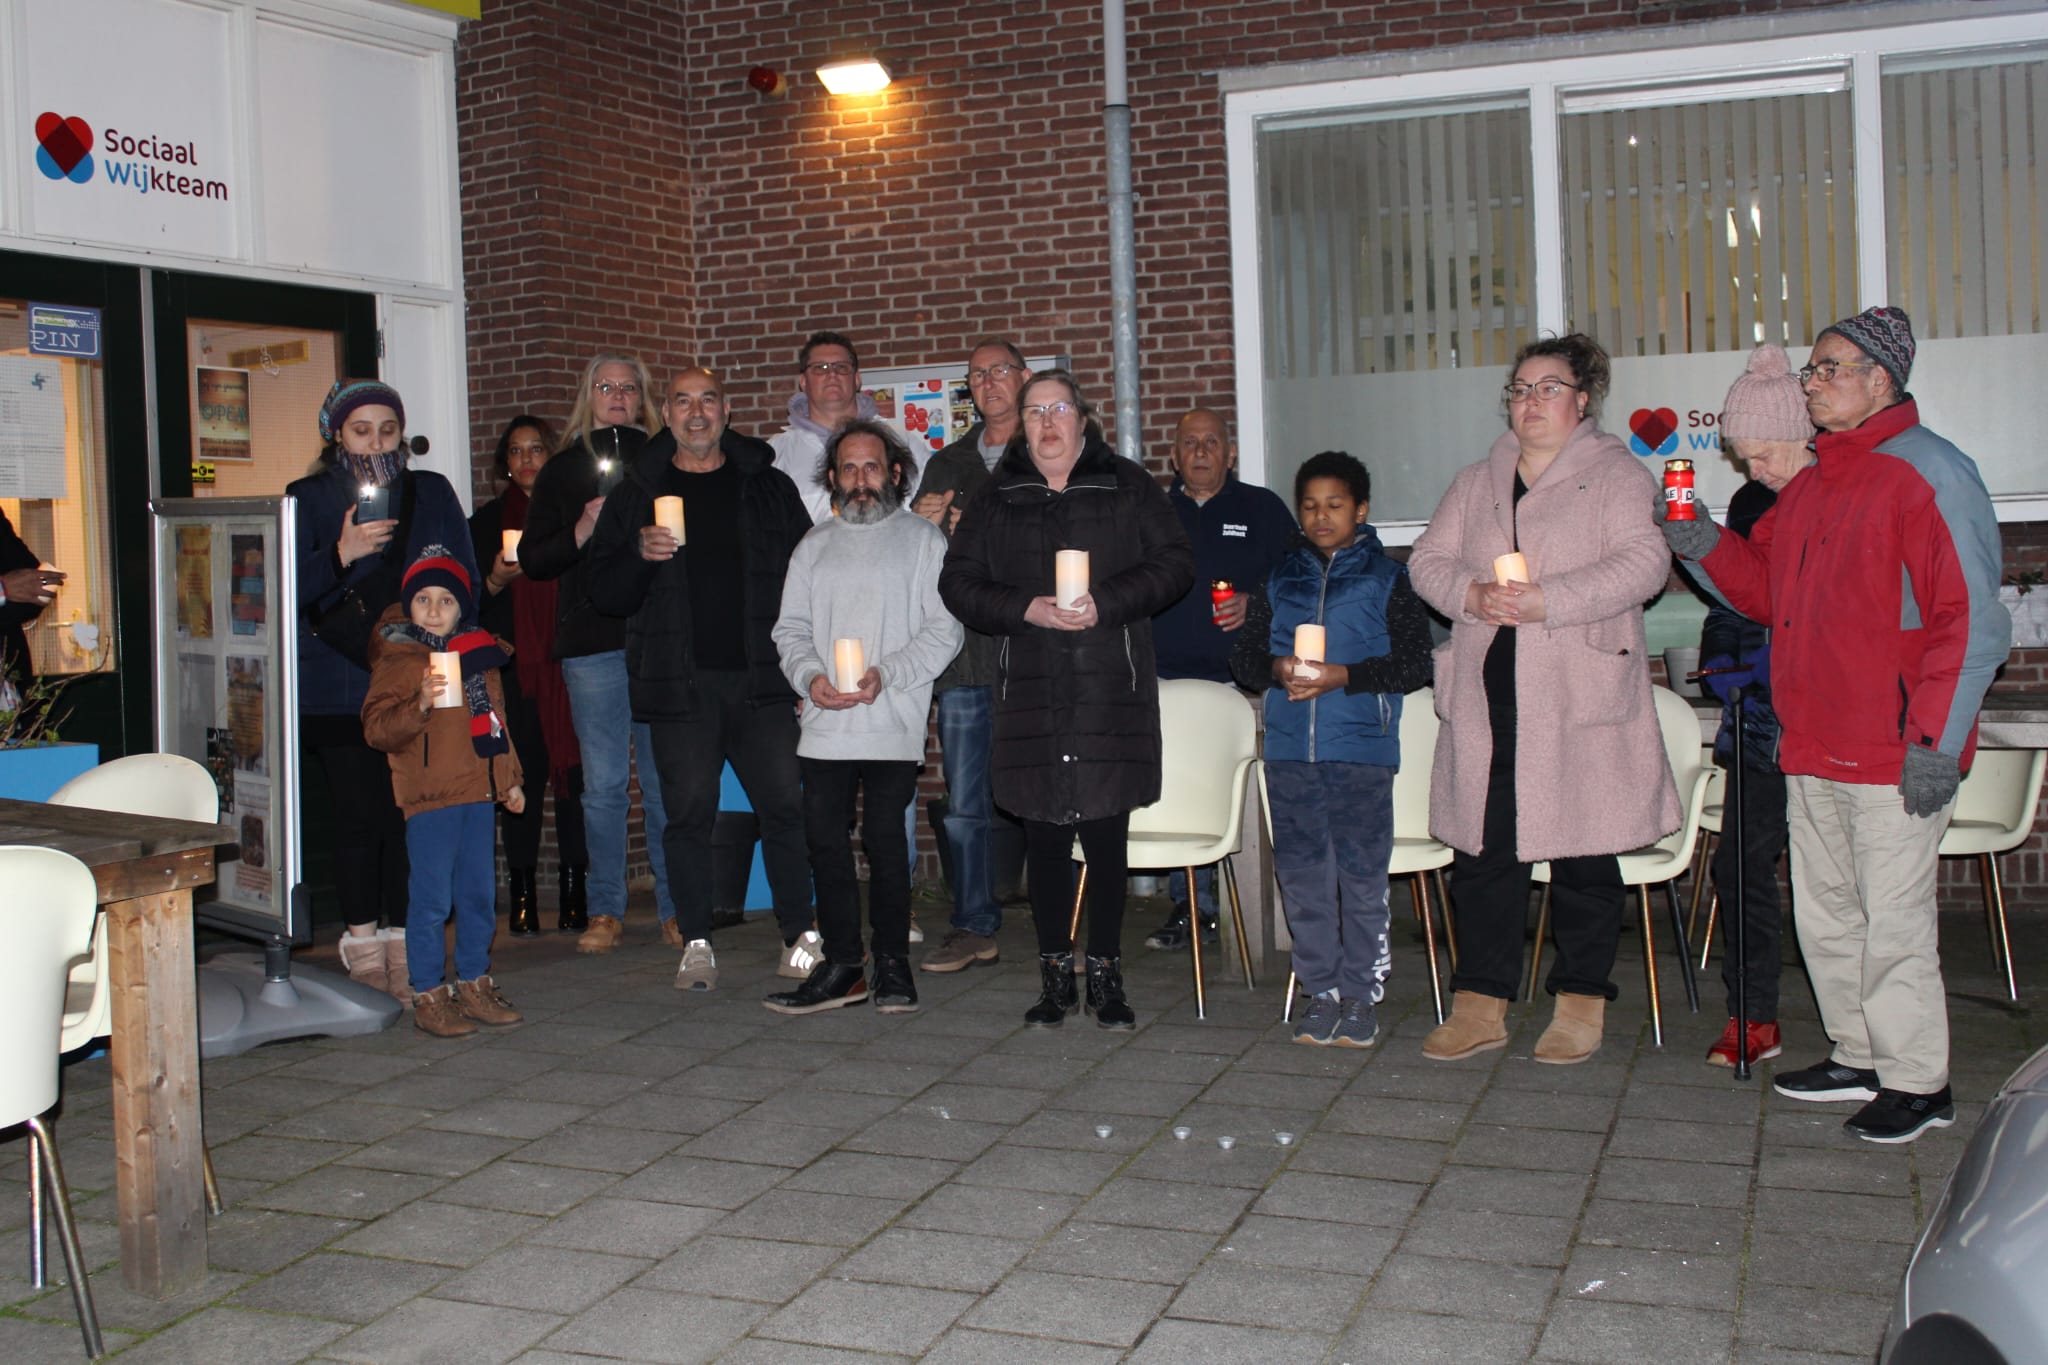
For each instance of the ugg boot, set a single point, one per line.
(397, 980)
(1057, 998)
(574, 900)
(362, 957)
(602, 936)
(479, 1000)
(1476, 1025)
(436, 1014)
(1106, 994)
(1574, 1032)
(525, 917)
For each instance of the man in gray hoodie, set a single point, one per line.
(862, 637)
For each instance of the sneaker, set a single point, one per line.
(800, 957)
(1359, 1025)
(436, 1014)
(1317, 1022)
(1174, 933)
(1827, 1080)
(916, 933)
(895, 990)
(959, 950)
(481, 1001)
(1900, 1116)
(602, 936)
(672, 933)
(1763, 1044)
(699, 971)
(829, 986)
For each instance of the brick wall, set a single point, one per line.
(689, 217)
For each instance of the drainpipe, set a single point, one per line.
(1123, 249)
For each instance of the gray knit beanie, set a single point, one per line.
(1767, 403)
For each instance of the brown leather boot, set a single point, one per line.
(435, 1013)
(479, 1000)
(1574, 1032)
(602, 936)
(1476, 1025)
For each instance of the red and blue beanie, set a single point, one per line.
(437, 568)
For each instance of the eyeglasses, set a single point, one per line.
(829, 367)
(1824, 370)
(1549, 390)
(1050, 412)
(997, 372)
(607, 388)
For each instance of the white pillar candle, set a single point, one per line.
(849, 662)
(1070, 578)
(1308, 648)
(668, 512)
(448, 665)
(511, 547)
(1511, 568)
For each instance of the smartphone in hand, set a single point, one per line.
(373, 503)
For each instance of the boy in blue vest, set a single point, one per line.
(1333, 740)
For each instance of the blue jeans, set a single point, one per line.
(1333, 835)
(612, 744)
(454, 855)
(967, 742)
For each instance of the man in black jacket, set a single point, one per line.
(701, 666)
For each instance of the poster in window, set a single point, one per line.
(223, 430)
(245, 584)
(253, 875)
(245, 715)
(195, 582)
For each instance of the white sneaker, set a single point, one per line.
(916, 934)
(699, 971)
(799, 957)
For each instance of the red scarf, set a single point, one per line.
(533, 639)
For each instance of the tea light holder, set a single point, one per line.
(1284, 1139)
(511, 547)
(447, 665)
(1181, 1132)
(1226, 1142)
(1510, 568)
(1070, 578)
(849, 662)
(668, 514)
(1103, 1130)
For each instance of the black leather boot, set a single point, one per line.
(1058, 998)
(574, 900)
(829, 986)
(525, 918)
(1106, 994)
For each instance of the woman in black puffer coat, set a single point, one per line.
(1077, 696)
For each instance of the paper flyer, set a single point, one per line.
(245, 715)
(245, 584)
(194, 577)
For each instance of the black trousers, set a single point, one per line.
(1049, 866)
(829, 789)
(1491, 891)
(1764, 837)
(690, 756)
(367, 832)
(522, 832)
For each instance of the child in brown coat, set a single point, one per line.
(451, 762)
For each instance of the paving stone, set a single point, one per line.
(1528, 1149)
(120, 1308)
(1725, 1104)
(1381, 1158)
(872, 1174)
(1289, 1058)
(1074, 1130)
(965, 1346)
(1308, 1244)
(1104, 1312)
(1436, 1120)
(584, 1089)
(1629, 1333)
(1665, 1139)
(925, 1134)
(1041, 1168)
(429, 1089)
(765, 1351)
(766, 1144)
(23, 1342)
(1047, 1074)
(1866, 1168)
(986, 1211)
(740, 1268)
(502, 1116)
(546, 1278)
(233, 1334)
(425, 1151)
(260, 1158)
(979, 1103)
(694, 1180)
(352, 1289)
(933, 1260)
(874, 1077)
(1663, 1227)
(1523, 1110)
(1173, 1342)
(1813, 1321)
(1472, 1289)
(346, 1192)
(349, 1121)
(1384, 1337)
(842, 1111)
(676, 1329)
(1338, 1198)
(1268, 1296)
(1524, 1239)
(1112, 1097)
(729, 1082)
(807, 1216)
(1115, 1252)
(1167, 1204)
(1832, 1263)
(431, 1331)
(1409, 1078)
(600, 1147)
(1863, 1216)
(867, 1317)
(1561, 1193)
(1638, 1275)
(666, 1113)
(626, 1227)
(440, 1234)
(1251, 1163)
(521, 1188)
(1673, 1182)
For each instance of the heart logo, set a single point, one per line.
(1653, 431)
(64, 148)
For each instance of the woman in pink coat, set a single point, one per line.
(1550, 749)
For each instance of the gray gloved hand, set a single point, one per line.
(1928, 780)
(1687, 539)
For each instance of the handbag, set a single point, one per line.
(346, 621)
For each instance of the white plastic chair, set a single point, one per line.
(1416, 853)
(55, 902)
(1994, 814)
(167, 785)
(1663, 861)
(1209, 741)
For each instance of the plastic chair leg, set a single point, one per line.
(1420, 888)
(67, 1234)
(1195, 947)
(1536, 949)
(1994, 913)
(1650, 969)
(1244, 948)
(1692, 985)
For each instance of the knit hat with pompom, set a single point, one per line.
(1767, 403)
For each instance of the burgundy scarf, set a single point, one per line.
(533, 636)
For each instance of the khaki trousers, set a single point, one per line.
(1863, 904)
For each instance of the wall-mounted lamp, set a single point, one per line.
(855, 76)
(766, 80)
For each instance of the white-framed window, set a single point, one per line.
(1394, 236)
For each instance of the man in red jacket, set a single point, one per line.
(1877, 572)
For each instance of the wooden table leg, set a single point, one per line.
(158, 1148)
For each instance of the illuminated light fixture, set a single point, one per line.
(855, 76)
